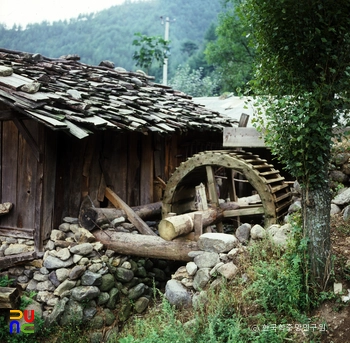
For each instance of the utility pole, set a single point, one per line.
(166, 38)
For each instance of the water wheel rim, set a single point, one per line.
(269, 184)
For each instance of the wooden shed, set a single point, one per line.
(68, 130)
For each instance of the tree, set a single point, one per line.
(150, 49)
(303, 68)
(230, 53)
(193, 82)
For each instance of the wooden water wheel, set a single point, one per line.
(242, 172)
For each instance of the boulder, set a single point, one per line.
(177, 294)
(217, 242)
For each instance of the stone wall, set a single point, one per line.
(77, 280)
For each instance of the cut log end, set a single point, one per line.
(172, 227)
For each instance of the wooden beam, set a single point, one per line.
(251, 210)
(141, 226)
(18, 233)
(10, 261)
(146, 246)
(9, 297)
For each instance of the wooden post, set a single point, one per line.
(198, 225)
(140, 225)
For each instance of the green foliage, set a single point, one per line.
(303, 64)
(5, 281)
(280, 287)
(149, 49)
(193, 82)
(230, 53)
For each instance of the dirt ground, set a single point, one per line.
(335, 312)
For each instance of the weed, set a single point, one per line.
(5, 281)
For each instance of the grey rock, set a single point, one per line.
(89, 312)
(213, 271)
(57, 235)
(273, 229)
(91, 279)
(280, 238)
(76, 272)
(66, 285)
(346, 213)
(95, 267)
(228, 270)
(141, 304)
(102, 298)
(207, 260)
(52, 262)
(295, 206)
(177, 294)
(137, 291)
(217, 242)
(113, 298)
(73, 313)
(5, 71)
(335, 209)
(125, 311)
(71, 220)
(243, 232)
(15, 249)
(342, 198)
(141, 272)
(107, 282)
(31, 285)
(44, 271)
(338, 176)
(77, 258)
(82, 249)
(109, 317)
(82, 293)
(57, 312)
(22, 279)
(63, 254)
(257, 232)
(193, 254)
(64, 227)
(44, 296)
(31, 88)
(201, 279)
(82, 235)
(16, 271)
(40, 277)
(45, 286)
(53, 278)
(191, 268)
(159, 274)
(124, 275)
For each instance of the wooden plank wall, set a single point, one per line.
(128, 163)
(21, 177)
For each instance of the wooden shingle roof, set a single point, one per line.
(65, 94)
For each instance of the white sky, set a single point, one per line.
(35, 11)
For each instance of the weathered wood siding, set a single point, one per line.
(23, 182)
(133, 165)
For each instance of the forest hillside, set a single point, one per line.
(108, 35)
